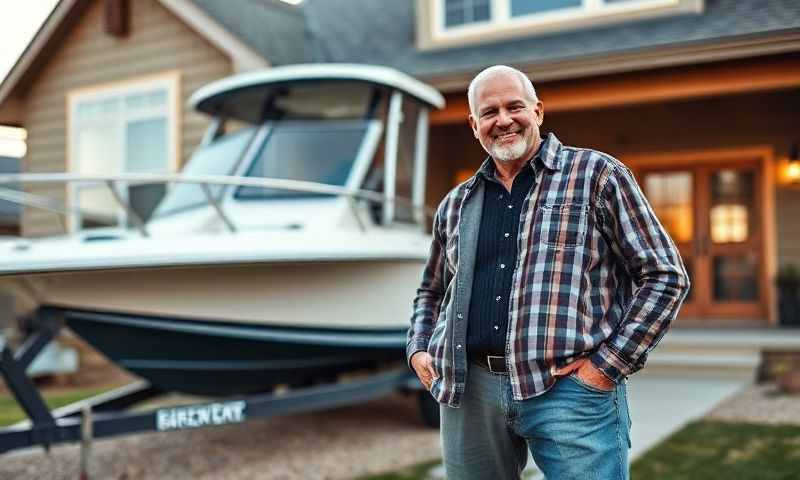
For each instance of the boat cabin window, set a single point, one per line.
(321, 151)
(217, 158)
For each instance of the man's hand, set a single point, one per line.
(422, 363)
(588, 373)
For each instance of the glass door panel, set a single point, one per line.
(734, 241)
(732, 206)
(671, 194)
(735, 278)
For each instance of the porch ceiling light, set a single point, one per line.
(792, 172)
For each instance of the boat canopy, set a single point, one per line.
(245, 96)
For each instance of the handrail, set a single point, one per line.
(203, 180)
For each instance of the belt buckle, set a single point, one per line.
(502, 364)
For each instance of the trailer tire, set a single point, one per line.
(428, 409)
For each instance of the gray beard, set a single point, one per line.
(510, 153)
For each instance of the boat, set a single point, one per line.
(286, 252)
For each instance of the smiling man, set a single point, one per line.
(549, 281)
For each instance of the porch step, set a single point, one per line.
(718, 353)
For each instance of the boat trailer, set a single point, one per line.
(106, 415)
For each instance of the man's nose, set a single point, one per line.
(504, 119)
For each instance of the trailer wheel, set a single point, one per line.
(428, 409)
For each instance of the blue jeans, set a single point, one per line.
(573, 431)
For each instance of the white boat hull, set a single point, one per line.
(343, 294)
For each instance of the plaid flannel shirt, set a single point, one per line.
(596, 275)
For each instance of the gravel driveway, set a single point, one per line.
(345, 443)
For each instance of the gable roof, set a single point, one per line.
(278, 31)
(383, 32)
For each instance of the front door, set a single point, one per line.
(712, 213)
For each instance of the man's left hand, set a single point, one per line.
(588, 374)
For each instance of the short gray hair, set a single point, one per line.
(494, 71)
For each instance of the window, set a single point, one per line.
(314, 151)
(123, 128)
(460, 22)
(220, 157)
(460, 12)
(521, 8)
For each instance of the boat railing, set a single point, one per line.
(114, 182)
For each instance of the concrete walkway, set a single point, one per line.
(662, 404)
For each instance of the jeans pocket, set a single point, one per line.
(575, 378)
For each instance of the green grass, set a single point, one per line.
(703, 450)
(10, 412)
(716, 450)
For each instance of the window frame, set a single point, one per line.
(168, 81)
(501, 25)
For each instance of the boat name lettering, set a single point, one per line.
(195, 416)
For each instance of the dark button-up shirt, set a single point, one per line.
(596, 276)
(494, 262)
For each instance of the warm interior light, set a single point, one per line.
(729, 223)
(793, 171)
(789, 172)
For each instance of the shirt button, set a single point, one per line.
(459, 315)
(497, 298)
(506, 234)
(458, 347)
(502, 265)
(510, 207)
(496, 327)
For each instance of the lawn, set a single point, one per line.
(10, 412)
(716, 450)
(703, 450)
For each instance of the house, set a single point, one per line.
(698, 97)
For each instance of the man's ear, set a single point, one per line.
(539, 112)
(474, 125)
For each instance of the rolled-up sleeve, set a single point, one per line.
(652, 260)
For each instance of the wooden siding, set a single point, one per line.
(158, 42)
(728, 122)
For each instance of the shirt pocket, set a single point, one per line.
(563, 226)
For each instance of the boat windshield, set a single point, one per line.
(321, 151)
(220, 157)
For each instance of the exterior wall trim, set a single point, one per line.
(654, 58)
(646, 87)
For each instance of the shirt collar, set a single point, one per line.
(548, 156)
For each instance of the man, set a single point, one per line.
(549, 281)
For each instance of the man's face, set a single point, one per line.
(506, 121)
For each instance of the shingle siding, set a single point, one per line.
(158, 42)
